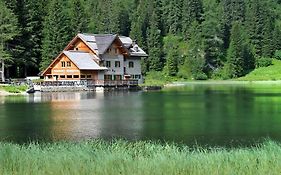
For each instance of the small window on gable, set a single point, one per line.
(109, 50)
(63, 64)
(131, 64)
(116, 50)
(68, 64)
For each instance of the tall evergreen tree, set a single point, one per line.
(78, 20)
(192, 10)
(8, 30)
(195, 59)
(140, 24)
(154, 40)
(238, 54)
(172, 60)
(233, 10)
(174, 17)
(56, 32)
(212, 34)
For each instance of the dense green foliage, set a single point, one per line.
(223, 39)
(121, 157)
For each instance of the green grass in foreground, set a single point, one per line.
(272, 72)
(14, 89)
(121, 157)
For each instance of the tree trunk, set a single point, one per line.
(3, 71)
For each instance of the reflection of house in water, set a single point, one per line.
(75, 118)
(94, 115)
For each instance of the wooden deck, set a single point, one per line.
(90, 83)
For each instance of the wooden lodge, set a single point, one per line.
(97, 60)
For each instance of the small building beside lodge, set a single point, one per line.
(101, 59)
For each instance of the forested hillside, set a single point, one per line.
(192, 39)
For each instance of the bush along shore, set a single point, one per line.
(122, 157)
(13, 89)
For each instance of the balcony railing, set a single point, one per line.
(101, 83)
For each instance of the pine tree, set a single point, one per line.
(174, 17)
(255, 23)
(8, 30)
(154, 40)
(56, 32)
(213, 39)
(172, 61)
(192, 10)
(195, 59)
(140, 25)
(238, 54)
(78, 20)
(233, 10)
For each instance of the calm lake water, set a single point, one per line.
(215, 115)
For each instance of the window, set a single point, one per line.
(63, 64)
(108, 64)
(107, 77)
(62, 76)
(117, 63)
(69, 76)
(136, 77)
(116, 51)
(89, 76)
(83, 76)
(75, 76)
(131, 64)
(68, 64)
(117, 77)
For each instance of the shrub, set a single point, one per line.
(263, 62)
(200, 76)
(277, 54)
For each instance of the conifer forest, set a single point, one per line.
(190, 39)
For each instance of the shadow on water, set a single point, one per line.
(23, 121)
(214, 115)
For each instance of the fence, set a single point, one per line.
(89, 83)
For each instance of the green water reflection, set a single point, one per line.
(221, 115)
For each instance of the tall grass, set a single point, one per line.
(121, 157)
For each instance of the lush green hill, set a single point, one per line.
(272, 72)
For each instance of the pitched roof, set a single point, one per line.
(83, 60)
(98, 42)
(133, 48)
(101, 42)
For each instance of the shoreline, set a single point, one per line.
(5, 93)
(223, 82)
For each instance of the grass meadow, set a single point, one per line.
(121, 157)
